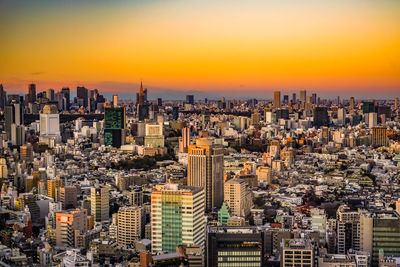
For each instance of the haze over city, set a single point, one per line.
(208, 46)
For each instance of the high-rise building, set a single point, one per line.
(82, 94)
(321, 117)
(13, 114)
(99, 203)
(66, 99)
(67, 223)
(348, 229)
(115, 101)
(141, 97)
(379, 136)
(53, 188)
(176, 217)
(294, 99)
(351, 103)
(277, 99)
(190, 99)
(314, 98)
(50, 94)
(114, 126)
(184, 141)
(235, 246)
(396, 102)
(3, 168)
(341, 116)
(50, 121)
(372, 119)
(3, 97)
(235, 197)
(380, 231)
(206, 169)
(31, 93)
(298, 252)
(68, 197)
(303, 96)
(130, 225)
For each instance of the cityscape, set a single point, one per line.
(158, 133)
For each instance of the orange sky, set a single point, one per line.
(203, 45)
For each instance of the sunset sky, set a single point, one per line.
(204, 45)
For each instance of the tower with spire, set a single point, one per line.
(142, 104)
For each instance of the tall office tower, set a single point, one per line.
(294, 99)
(26, 152)
(53, 188)
(67, 223)
(31, 93)
(341, 116)
(50, 94)
(190, 99)
(236, 197)
(396, 102)
(380, 231)
(17, 134)
(175, 113)
(3, 168)
(176, 217)
(66, 98)
(68, 197)
(82, 96)
(141, 97)
(115, 101)
(13, 115)
(114, 126)
(321, 117)
(206, 169)
(348, 229)
(184, 141)
(235, 246)
(372, 119)
(130, 225)
(277, 99)
(352, 103)
(99, 203)
(3, 96)
(368, 107)
(298, 252)
(159, 102)
(303, 96)
(285, 99)
(379, 136)
(314, 98)
(50, 121)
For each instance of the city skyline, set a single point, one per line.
(224, 47)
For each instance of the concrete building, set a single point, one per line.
(297, 252)
(176, 217)
(100, 203)
(67, 223)
(130, 225)
(236, 198)
(206, 169)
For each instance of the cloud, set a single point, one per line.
(37, 73)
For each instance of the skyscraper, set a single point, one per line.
(379, 136)
(31, 93)
(66, 98)
(82, 96)
(184, 141)
(50, 94)
(68, 197)
(13, 115)
(130, 225)
(206, 169)
(99, 203)
(372, 119)
(277, 99)
(114, 125)
(321, 117)
(3, 95)
(115, 100)
(351, 103)
(190, 99)
(176, 217)
(341, 116)
(303, 96)
(142, 106)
